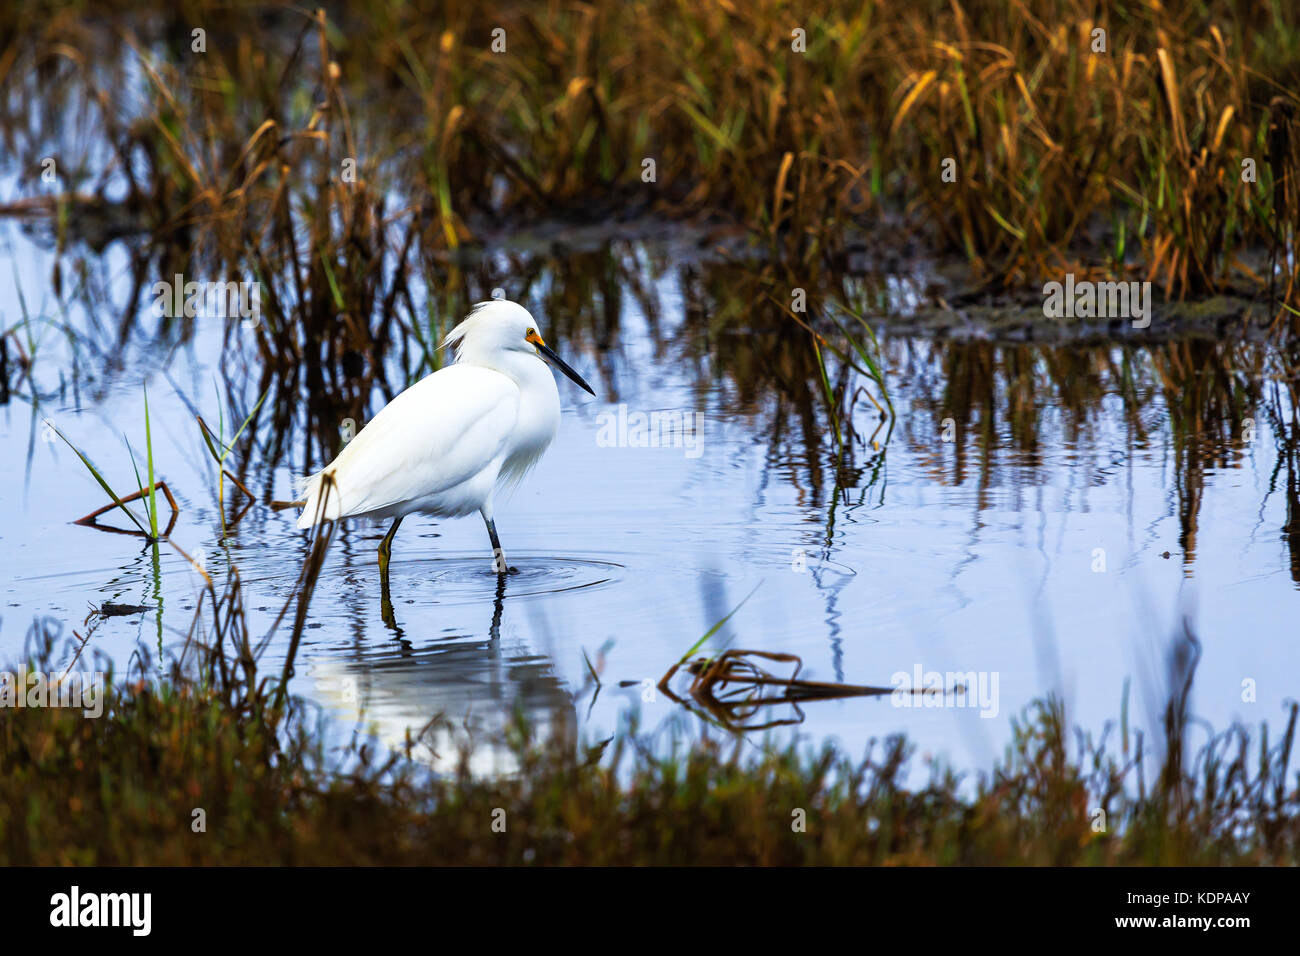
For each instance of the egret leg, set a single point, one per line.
(498, 556)
(385, 553)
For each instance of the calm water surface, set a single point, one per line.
(1047, 517)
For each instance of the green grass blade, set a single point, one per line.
(153, 492)
(206, 432)
(329, 275)
(90, 466)
(1018, 233)
(716, 627)
(247, 420)
(872, 367)
(221, 415)
(139, 483)
(590, 670)
(830, 396)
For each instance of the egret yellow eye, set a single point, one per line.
(532, 336)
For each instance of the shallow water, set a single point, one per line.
(1082, 502)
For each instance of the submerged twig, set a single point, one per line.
(730, 687)
(89, 520)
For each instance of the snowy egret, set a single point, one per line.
(444, 445)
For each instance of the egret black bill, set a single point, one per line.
(562, 365)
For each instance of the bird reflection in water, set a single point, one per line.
(455, 698)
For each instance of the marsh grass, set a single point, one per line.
(1124, 163)
(123, 790)
(1050, 137)
(230, 163)
(220, 733)
(220, 449)
(146, 493)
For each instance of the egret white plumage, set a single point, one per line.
(447, 443)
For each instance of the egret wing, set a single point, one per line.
(438, 433)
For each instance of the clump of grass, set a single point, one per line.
(1123, 162)
(125, 789)
(147, 493)
(218, 735)
(220, 449)
(804, 128)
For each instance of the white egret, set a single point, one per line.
(444, 445)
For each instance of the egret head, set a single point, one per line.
(502, 326)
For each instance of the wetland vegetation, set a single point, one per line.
(824, 233)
